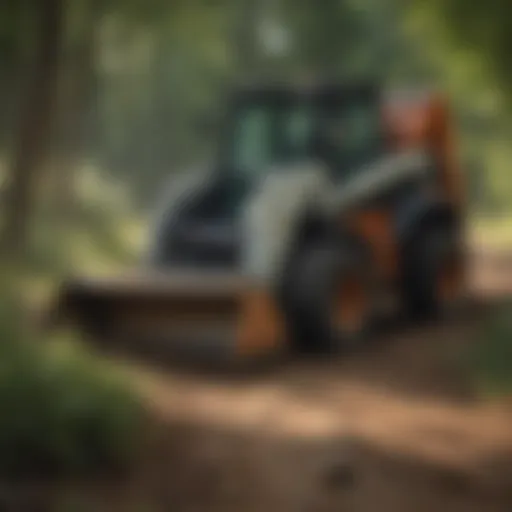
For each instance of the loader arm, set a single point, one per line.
(379, 176)
(272, 217)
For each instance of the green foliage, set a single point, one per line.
(490, 360)
(460, 61)
(481, 28)
(63, 413)
(154, 67)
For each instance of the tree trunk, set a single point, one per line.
(72, 111)
(35, 119)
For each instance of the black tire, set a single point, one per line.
(431, 251)
(319, 272)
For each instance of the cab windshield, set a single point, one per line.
(266, 135)
(341, 133)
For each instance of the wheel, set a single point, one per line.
(333, 298)
(435, 281)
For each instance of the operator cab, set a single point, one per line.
(269, 129)
(341, 126)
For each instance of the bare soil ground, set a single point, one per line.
(397, 428)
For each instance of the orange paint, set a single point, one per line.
(261, 327)
(376, 228)
(426, 122)
(351, 304)
(442, 145)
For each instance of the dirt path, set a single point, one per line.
(392, 429)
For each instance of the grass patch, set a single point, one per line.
(490, 359)
(64, 413)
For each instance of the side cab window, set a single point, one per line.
(353, 133)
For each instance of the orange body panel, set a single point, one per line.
(426, 123)
(376, 228)
(443, 147)
(261, 327)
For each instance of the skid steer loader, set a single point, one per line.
(327, 207)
